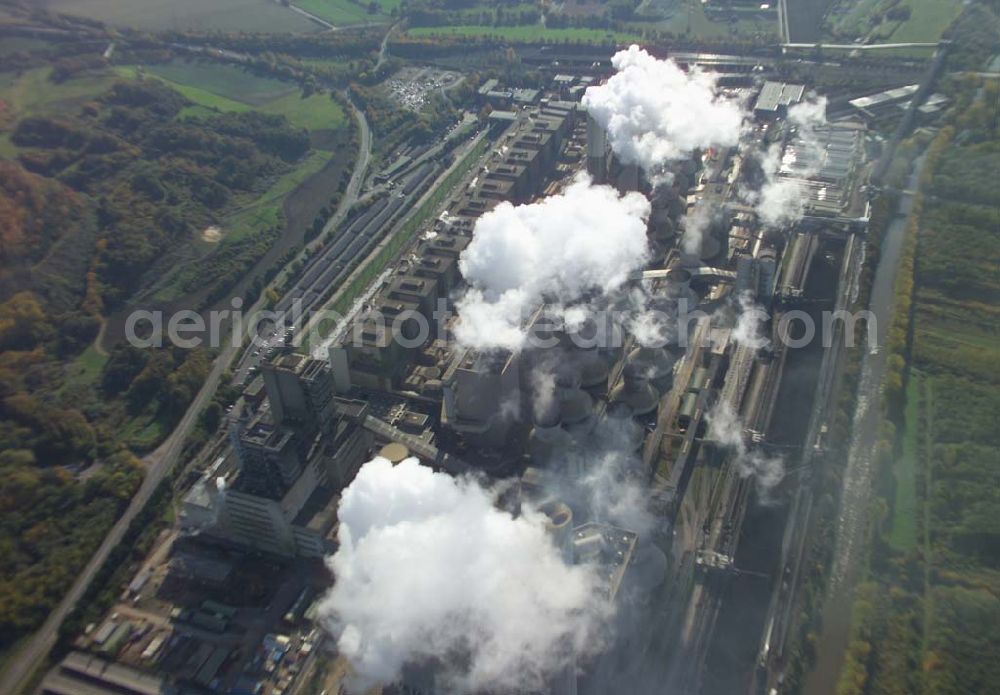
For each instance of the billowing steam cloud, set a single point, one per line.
(654, 112)
(781, 200)
(696, 225)
(430, 571)
(748, 330)
(560, 248)
(725, 427)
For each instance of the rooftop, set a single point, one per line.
(774, 95)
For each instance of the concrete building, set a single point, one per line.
(300, 390)
(280, 496)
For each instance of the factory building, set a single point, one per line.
(300, 390)
(278, 490)
(775, 98)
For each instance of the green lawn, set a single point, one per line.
(345, 12)
(534, 33)
(142, 433)
(904, 509)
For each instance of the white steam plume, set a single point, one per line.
(430, 572)
(781, 200)
(748, 329)
(725, 427)
(560, 248)
(696, 224)
(654, 112)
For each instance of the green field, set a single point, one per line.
(345, 12)
(230, 89)
(31, 92)
(927, 21)
(689, 19)
(201, 15)
(531, 34)
(226, 81)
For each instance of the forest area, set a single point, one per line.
(103, 176)
(927, 617)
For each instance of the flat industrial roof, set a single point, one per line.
(775, 94)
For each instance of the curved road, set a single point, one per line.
(20, 666)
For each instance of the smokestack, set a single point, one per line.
(597, 151)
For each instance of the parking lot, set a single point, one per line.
(412, 86)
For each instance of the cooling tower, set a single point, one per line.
(636, 392)
(620, 415)
(656, 364)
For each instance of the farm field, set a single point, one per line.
(688, 18)
(927, 21)
(530, 34)
(206, 15)
(345, 12)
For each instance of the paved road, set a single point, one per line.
(20, 666)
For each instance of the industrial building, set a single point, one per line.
(277, 491)
(301, 431)
(775, 98)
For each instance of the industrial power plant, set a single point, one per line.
(530, 453)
